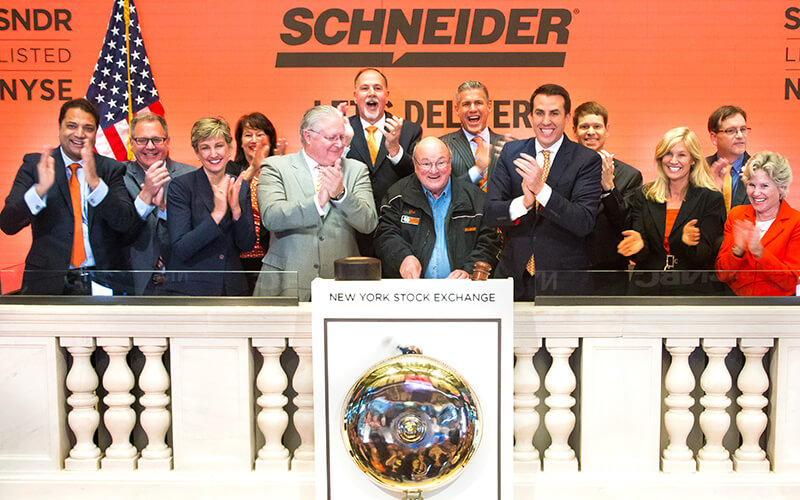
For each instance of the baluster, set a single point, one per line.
(303, 383)
(679, 420)
(751, 419)
(119, 417)
(272, 419)
(559, 419)
(83, 419)
(155, 417)
(714, 420)
(526, 418)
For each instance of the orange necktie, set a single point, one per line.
(78, 251)
(531, 265)
(480, 150)
(727, 188)
(372, 143)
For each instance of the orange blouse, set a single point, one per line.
(672, 214)
(258, 251)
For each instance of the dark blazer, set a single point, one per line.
(406, 227)
(52, 229)
(461, 151)
(776, 272)
(613, 217)
(649, 219)
(383, 173)
(740, 196)
(555, 233)
(199, 244)
(148, 238)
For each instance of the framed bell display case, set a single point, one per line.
(413, 389)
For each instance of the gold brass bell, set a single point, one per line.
(411, 423)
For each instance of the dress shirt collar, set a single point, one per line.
(445, 195)
(553, 149)
(380, 124)
(67, 160)
(483, 133)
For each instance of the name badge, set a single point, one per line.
(405, 219)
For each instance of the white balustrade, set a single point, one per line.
(560, 420)
(751, 420)
(526, 417)
(84, 418)
(303, 383)
(208, 412)
(679, 420)
(714, 420)
(272, 419)
(155, 417)
(119, 418)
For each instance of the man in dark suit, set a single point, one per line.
(544, 194)
(147, 180)
(67, 253)
(619, 182)
(473, 147)
(728, 129)
(383, 142)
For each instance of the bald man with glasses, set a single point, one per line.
(147, 179)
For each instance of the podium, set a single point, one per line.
(467, 325)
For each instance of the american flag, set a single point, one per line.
(122, 84)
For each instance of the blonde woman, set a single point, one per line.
(676, 222)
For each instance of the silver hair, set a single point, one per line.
(313, 116)
(471, 85)
(776, 167)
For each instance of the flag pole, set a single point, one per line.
(128, 68)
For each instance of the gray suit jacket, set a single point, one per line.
(463, 159)
(301, 240)
(149, 238)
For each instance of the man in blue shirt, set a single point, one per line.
(431, 224)
(728, 129)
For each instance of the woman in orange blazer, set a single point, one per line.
(760, 253)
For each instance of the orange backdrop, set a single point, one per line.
(655, 66)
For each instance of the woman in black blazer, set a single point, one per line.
(684, 204)
(210, 219)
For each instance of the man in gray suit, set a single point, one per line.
(147, 179)
(473, 147)
(313, 203)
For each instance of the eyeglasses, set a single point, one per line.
(142, 141)
(440, 164)
(329, 138)
(732, 131)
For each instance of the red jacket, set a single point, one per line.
(776, 272)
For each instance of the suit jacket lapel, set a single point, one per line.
(658, 216)
(303, 175)
(462, 148)
(777, 226)
(203, 189)
(561, 162)
(359, 143)
(688, 209)
(62, 184)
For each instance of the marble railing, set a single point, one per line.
(216, 401)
